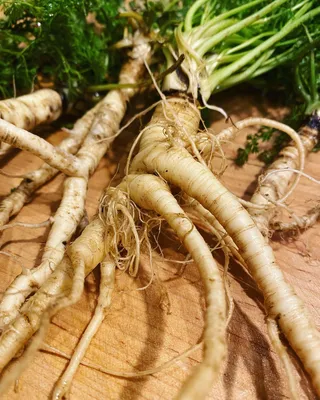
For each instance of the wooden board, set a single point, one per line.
(139, 331)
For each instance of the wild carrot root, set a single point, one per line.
(274, 186)
(89, 248)
(32, 181)
(300, 223)
(104, 126)
(151, 193)
(29, 111)
(107, 269)
(54, 156)
(174, 164)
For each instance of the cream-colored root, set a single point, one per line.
(27, 225)
(283, 355)
(209, 223)
(274, 186)
(177, 166)
(59, 289)
(300, 223)
(229, 134)
(107, 268)
(152, 193)
(125, 374)
(55, 157)
(16, 368)
(29, 111)
(32, 181)
(106, 123)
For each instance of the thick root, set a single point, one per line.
(177, 166)
(40, 107)
(153, 194)
(29, 111)
(105, 124)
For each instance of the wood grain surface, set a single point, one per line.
(141, 331)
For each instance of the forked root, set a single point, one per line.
(107, 269)
(152, 193)
(58, 290)
(275, 185)
(29, 111)
(105, 123)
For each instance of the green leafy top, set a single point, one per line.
(226, 43)
(53, 40)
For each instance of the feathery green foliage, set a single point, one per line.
(52, 40)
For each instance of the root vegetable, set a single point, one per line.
(29, 111)
(274, 186)
(102, 131)
(32, 181)
(177, 166)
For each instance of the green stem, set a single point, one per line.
(190, 14)
(209, 44)
(300, 85)
(224, 73)
(249, 42)
(235, 79)
(201, 30)
(313, 78)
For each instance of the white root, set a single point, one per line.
(55, 157)
(89, 251)
(29, 111)
(283, 355)
(107, 268)
(274, 186)
(178, 167)
(152, 193)
(106, 123)
(27, 225)
(32, 181)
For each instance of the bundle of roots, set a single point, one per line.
(168, 178)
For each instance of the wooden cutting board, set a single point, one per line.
(141, 331)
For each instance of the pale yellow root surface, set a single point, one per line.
(274, 186)
(104, 126)
(29, 111)
(55, 157)
(107, 283)
(177, 166)
(152, 193)
(32, 181)
(89, 247)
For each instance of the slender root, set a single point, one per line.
(104, 300)
(47, 222)
(300, 223)
(272, 185)
(126, 374)
(283, 355)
